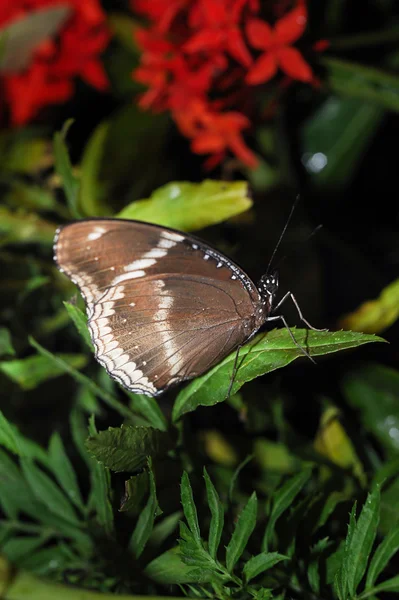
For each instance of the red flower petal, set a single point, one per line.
(263, 69)
(207, 39)
(291, 27)
(293, 64)
(238, 146)
(237, 49)
(94, 74)
(259, 33)
(321, 45)
(208, 142)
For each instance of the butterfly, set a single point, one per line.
(163, 306)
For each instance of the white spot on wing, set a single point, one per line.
(171, 235)
(96, 234)
(143, 263)
(126, 276)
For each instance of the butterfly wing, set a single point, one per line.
(162, 306)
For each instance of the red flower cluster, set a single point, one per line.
(201, 58)
(45, 76)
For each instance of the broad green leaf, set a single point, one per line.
(189, 206)
(334, 139)
(126, 448)
(169, 569)
(6, 347)
(189, 508)
(47, 492)
(24, 34)
(145, 522)
(390, 585)
(64, 170)
(373, 390)
(8, 436)
(30, 372)
(80, 321)
(101, 491)
(374, 316)
(383, 554)
(282, 500)
(244, 527)
(264, 354)
(135, 489)
(64, 471)
(362, 540)
(165, 528)
(260, 563)
(333, 442)
(369, 84)
(25, 228)
(92, 192)
(149, 408)
(217, 520)
(64, 367)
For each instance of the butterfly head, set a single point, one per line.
(268, 287)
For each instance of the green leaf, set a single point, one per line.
(6, 347)
(80, 321)
(362, 540)
(165, 528)
(8, 436)
(374, 316)
(217, 520)
(189, 206)
(369, 84)
(30, 372)
(63, 470)
(383, 554)
(135, 489)
(260, 563)
(282, 500)
(126, 448)
(244, 527)
(169, 569)
(101, 491)
(63, 168)
(47, 492)
(373, 390)
(145, 523)
(149, 408)
(314, 567)
(92, 191)
(18, 547)
(390, 585)
(189, 508)
(341, 575)
(334, 140)
(264, 354)
(63, 366)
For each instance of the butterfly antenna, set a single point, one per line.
(276, 247)
(311, 234)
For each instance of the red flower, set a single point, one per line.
(48, 73)
(197, 62)
(277, 45)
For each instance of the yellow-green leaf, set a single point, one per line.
(189, 206)
(376, 315)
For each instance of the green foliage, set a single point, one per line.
(264, 354)
(115, 493)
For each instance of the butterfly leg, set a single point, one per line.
(302, 349)
(291, 295)
(234, 372)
